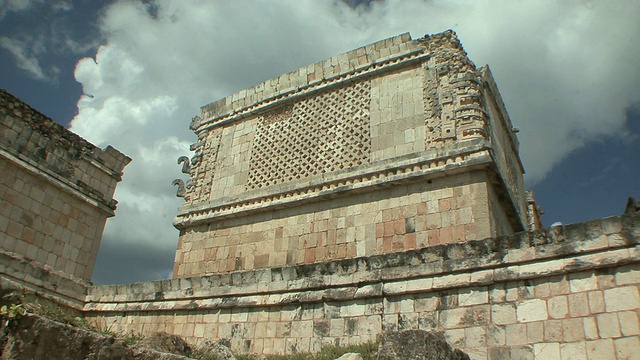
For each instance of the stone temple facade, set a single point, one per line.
(379, 190)
(399, 145)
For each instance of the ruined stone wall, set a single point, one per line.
(501, 223)
(56, 192)
(568, 292)
(335, 152)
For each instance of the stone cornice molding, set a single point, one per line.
(505, 122)
(241, 105)
(376, 174)
(81, 191)
(558, 250)
(43, 280)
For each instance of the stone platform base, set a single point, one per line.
(568, 292)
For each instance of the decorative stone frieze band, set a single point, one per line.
(366, 61)
(37, 140)
(416, 166)
(557, 250)
(374, 286)
(80, 190)
(20, 272)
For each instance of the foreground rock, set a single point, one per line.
(34, 337)
(168, 343)
(417, 345)
(350, 356)
(219, 351)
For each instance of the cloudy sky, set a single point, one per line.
(133, 73)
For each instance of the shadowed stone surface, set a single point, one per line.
(164, 342)
(417, 345)
(220, 351)
(33, 337)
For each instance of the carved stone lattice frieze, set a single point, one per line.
(202, 173)
(180, 192)
(454, 105)
(316, 135)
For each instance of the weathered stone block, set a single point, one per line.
(473, 296)
(572, 330)
(627, 275)
(601, 349)
(535, 332)
(596, 302)
(578, 304)
(580, 282)
(532, 310)
(496, 336)
(553, 330)
(629, 324)
(611, 225)
(503, 314)
(454, 318)
(627, 348)
(623, 298)
(608, 325)
(549, 350)
(496, 353)
(576, 350)
(516, 334)
(558, 307)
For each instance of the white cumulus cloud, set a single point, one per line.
(566, 69)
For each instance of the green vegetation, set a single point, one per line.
(367, 350)
(13, 312)
(56, 313)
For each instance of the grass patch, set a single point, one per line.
(368, 351)
(57, 313)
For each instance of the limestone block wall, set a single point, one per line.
(56, 192)
(305, 167)
(405, 217)
(50, 226)
(568, 292)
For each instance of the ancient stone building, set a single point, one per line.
(378, 190)
(394, 146)
(56, 193)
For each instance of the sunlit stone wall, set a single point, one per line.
(56, 193)
(397, 145)
(568, 292)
